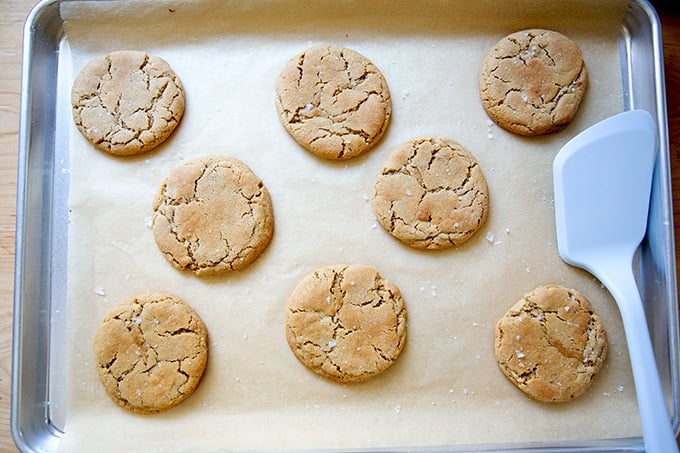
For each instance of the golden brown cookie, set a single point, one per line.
(151, 352)
(431, 194)
(127, 102)
(532, 82)
(346, 322)
(333, 101)
(212, 215)
(551, 344)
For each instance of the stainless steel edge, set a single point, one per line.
(37, 292)
(30, 423)
(645, 85)
(664, 176)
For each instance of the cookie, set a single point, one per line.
(346, 322)
(151, 352)
(127, 102)
(212, 215)
(333, 101)
(431, 194)
(551, 344)
(532, 82)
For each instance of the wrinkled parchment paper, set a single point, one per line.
(445, 388)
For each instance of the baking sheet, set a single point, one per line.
(445, 389)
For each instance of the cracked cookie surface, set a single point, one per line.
(127, 102)
(551, 344)
(532, 82)
(431, 194)
(346, 322)
(212, 215)
(151, 352)
(333, 101)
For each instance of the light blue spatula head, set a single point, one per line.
(603, 180)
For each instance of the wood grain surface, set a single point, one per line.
(12, 17)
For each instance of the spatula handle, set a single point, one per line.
(656, 428)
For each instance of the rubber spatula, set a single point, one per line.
(603, 180)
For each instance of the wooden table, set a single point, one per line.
(12, 16)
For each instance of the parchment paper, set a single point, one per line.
(445, 388)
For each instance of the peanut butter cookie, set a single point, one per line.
(431, 194)
(346, 323)
(127, 102)
(333, 101)
(212, 215)
(151, 352)
(532, 82)
(551, 344)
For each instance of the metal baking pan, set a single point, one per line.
(38, 408)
